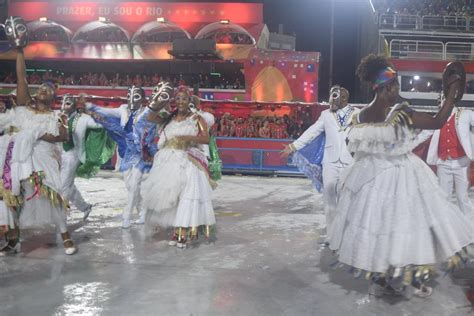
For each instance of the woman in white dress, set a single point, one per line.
(30, 161)
(178, 190)
(393, 221)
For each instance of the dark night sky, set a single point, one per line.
(310, 21)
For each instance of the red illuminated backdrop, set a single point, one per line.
(131, 15)
(269, 75)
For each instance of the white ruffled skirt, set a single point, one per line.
(40, 212)
(392, 213)
(177, 193)
(7, 217)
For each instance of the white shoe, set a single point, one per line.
(70, 250)
(172, 243)
(423, 291)
(181, 245)
(7, 250)
(126, 224)
(140, 221)
(87, 212)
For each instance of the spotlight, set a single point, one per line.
(224, 21)
(161, 19)
(43, 19)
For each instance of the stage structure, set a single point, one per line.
(144, 32)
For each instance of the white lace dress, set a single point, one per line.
(33, 166)
(178, 190)
(392, 214)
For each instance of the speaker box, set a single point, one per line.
(193, 45)
(195, 49)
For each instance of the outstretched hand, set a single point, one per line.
(286, 151)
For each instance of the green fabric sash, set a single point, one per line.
(215, 162)
(99, 149)
(67, 146)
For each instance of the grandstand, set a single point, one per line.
(421, 37)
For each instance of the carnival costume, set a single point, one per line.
(451, 150)
(178, 190)
(134, 135)
(393, 220)
(31, 179)
(321, 154)
(88, 148)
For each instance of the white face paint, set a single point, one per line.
(135, 98)
(16, 31)
(161, 95)
(68, 105)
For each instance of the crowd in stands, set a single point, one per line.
(260, 127)
(425, 7)
(126, 80)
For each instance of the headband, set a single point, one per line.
(384, 77)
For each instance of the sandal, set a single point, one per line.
(423, 292)
(69, 247)
(182, 243)
(12, 247)
(174, 240)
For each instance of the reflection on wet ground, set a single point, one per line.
(267, 260)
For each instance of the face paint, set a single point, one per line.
(68, 104)
(335, 98)
(161, 95)
(162, 92)
(16, 31)
(135, 98)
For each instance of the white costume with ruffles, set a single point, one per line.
(41, 205)
(178, 191)
(392, 212)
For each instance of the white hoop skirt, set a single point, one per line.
(177, 192)
(391, 211)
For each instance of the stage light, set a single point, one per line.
(102, 19)
(43, 19)
(224, 21)
(416, 77)
(161, 20)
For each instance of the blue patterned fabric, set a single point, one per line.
(308, 160)
(135, 140)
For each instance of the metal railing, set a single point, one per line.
(417, 49)
(451, 23)
(459, 51)
(414, 49)
(426, 22)
(256, 160)
(398, 21)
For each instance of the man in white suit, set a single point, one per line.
(451, 150)
(74, 152)
(336, 157)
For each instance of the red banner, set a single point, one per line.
(68, 11)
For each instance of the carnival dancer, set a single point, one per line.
(177, 192)
(321, 152)
(128, 126)
(31, 178)
(393, 221)
(451, 150)
(86, 150)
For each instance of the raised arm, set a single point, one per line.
(422, 120)
(22, 94)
